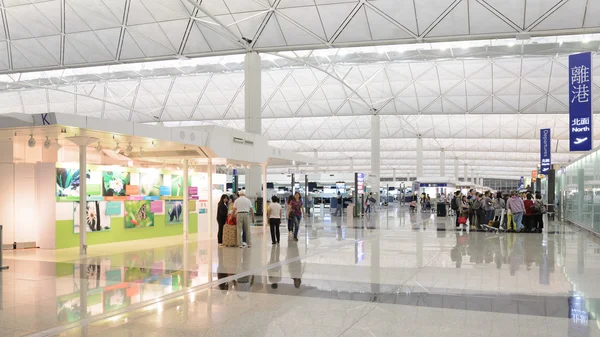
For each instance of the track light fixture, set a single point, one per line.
(31, 141)
(128, 150)
(47, 143)
(117, 149)
(57, 145)
(141, 152)
(99, 147)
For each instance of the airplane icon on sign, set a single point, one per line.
(580, 140)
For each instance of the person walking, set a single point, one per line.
(274, 213)
(222, 211)
(242, 208)
(288, 213)
(516, 206)
(340, 205)
(296, 213)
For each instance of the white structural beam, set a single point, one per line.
(419, 157)
(82, 143)
(186, 197)
(442, 163)
(375, 154)
(253, 106)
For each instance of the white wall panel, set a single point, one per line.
(45, 219)
(25, 201)
(7, 203)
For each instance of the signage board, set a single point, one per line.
(545, 151)
(580, 102)
(360, 183)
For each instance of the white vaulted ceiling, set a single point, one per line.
(450, 71)
(47, 34)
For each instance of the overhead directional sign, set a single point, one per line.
(580, 102)
(545, 151)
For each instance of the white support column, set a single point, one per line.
(186, 198)
(473, 181)
(375, 155)
(210, 199)
(442, 162)
(264, 203)
(456, 169)
(253, 106)
(466, 174)
(82, 142)
(419, 157)
(394, 176)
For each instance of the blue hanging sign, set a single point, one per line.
(545, 151)
(522, 183)
(580, 102)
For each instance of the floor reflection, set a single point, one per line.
(408, 259)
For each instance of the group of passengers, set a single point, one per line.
(516, 212)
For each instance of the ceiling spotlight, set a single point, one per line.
(141, 152)
(47, 143)
(117, 149)
(128, 150)
(31, 141)
(99, 147)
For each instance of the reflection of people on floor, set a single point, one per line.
(516, 256)
(457, 253)
(274, 272)
(229, 264)
(295, 267)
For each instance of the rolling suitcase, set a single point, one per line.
(441, 209)
(229, 235)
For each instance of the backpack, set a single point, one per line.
(539, 207)
(454, 204)
(477, 204)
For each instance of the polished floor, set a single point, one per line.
(393, 273)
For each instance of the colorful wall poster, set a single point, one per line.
(113, 183)
(96, 218)
(150, 184)
(156, 206)
(113, 208)
(138, 214)
(177, 186)
(67, 182)
(174, 210)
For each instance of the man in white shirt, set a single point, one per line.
(242, 208)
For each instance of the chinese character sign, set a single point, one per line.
(545, 151)
(580, 102)
(360, 183)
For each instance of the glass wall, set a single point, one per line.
(579, 192)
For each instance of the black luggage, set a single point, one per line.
(441, 209)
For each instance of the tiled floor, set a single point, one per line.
(393, 273)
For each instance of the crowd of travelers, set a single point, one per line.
(514, 212)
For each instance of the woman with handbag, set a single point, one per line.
(222, 211)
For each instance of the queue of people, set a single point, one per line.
(235, 216)
(513, 212)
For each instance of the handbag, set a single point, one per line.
(231, 220)
(462, 220)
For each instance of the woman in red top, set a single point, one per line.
(529, 216)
